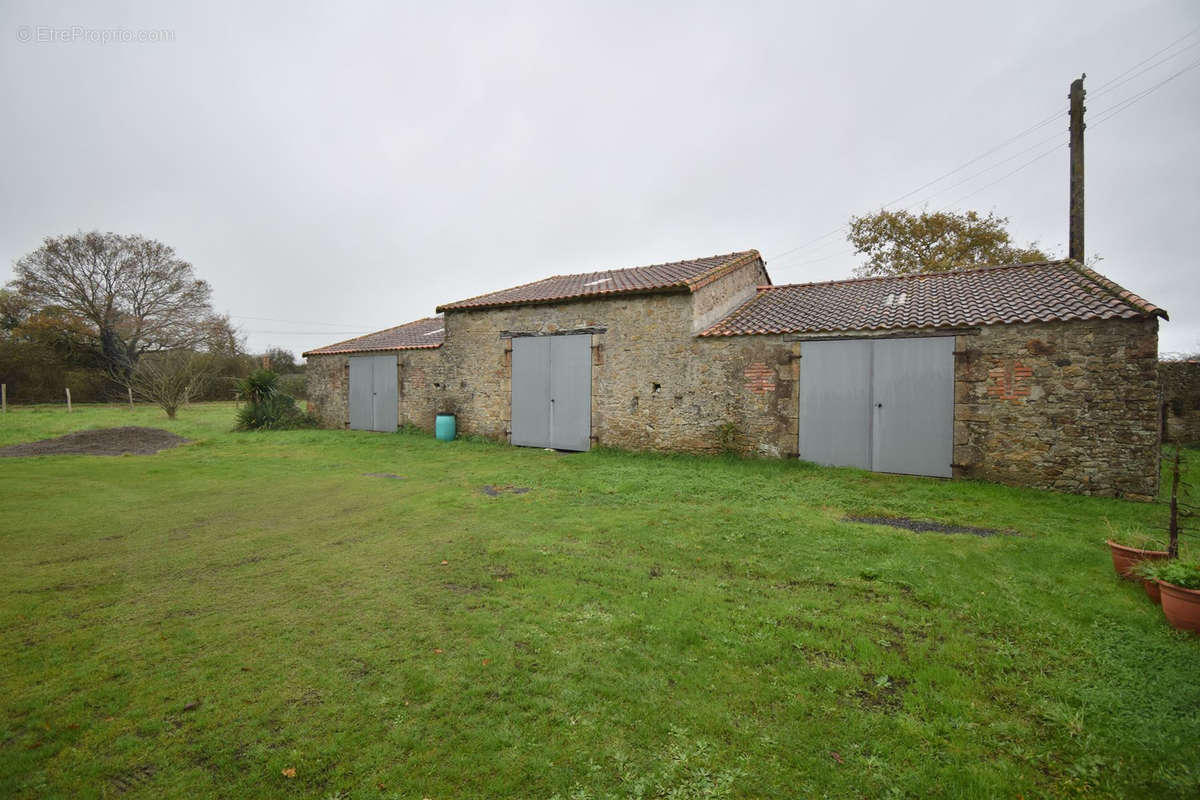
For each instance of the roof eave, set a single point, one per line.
(323, 352)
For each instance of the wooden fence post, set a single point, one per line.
(68, 401)
(4, 398)
(130, 390)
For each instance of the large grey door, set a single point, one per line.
(913, 390)
(531, 391)
(373, 393)
(552, 391)
(571, 392)
(885, 405)
(362, 393)
(835, 403)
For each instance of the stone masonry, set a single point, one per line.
(1181, 400)
(655, 386)
(1069, 406)
(417, 372)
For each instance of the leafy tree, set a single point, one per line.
(127, 295)
(903, 243)
(281, 360)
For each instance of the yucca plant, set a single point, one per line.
(267, 408)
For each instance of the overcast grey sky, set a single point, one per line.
(337, 168)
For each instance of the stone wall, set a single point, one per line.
(715, 300)
(655, 386)
(1071, 406)
(1181, 399)
(418, 373)
(1066, 406)
(328, 389)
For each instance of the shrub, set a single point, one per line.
(1135, 537)
(295, 384)
(267, 406)
(171, 378)
(1185, 574)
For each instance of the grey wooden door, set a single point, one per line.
(374, 398)
(885, 404)
(552, 391)
(913, 414)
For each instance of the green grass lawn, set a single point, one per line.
(194, 623)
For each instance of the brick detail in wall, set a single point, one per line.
(1008, 379)
(760, 378)
(1069, 406)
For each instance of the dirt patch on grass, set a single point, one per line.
(104, 442)
(390, 475)
(132, 778)
(924, 526)
(496, 491)
(882, 693)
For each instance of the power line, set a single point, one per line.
(986, 170)
(940, 192)
(296, 321)
(308, 333)
(1188, 35)
(1153, 66)
(1015, 137)
(1103, 116)
(848, 252)
(960, 167)
(1007, 175)
(1115, 109)
(809, 242)
(1114, 83)
(936, 180)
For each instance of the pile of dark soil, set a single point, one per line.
(103, 442)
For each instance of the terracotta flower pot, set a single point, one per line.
(1181, 606)
(1152, 591)
(1126, 558)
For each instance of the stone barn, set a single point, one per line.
(1039, 374)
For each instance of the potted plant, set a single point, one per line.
(1130, 548)
(1179, 583)
(1148, 572)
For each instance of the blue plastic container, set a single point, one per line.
(444, 427)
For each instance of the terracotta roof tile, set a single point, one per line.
(1045, 291)
(422, 334)
(679, 276)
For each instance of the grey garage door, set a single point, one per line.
(373, 396)
(552, 391)
(885, 405)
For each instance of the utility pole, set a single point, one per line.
(1075, 247)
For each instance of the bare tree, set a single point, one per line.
(132, 294)
(170, 378)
